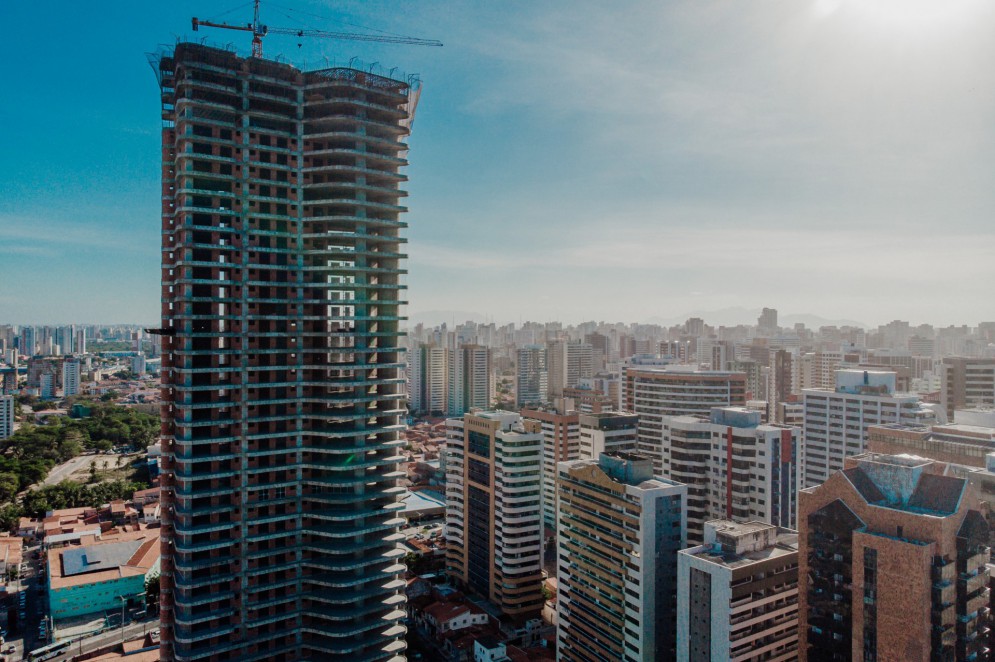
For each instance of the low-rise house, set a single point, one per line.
(95, 577)
(443, 617)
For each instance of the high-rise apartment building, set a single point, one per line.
(427, 378)
(780, 382)
(494, 523)
(654, 392)
(768, 320)
(70, 376)
(619, 530)
(734, 467)
(80, 340)
(962, 444)
(281, 359)
(737, 594)
(531, 377)
(967, 384)
(469, 379)
(28, 341)
(607, 432)
(892, 560)
(6, 416)
(560, 442)
(826, 364)
(47, 384)
(567, 363)
(835, 422)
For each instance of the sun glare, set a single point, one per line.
(903, 15)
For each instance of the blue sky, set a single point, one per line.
(570, 159)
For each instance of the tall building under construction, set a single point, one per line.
(281, 367)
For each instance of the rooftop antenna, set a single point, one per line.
(259, 30)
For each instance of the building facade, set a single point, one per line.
(836, 422)
(966, 384)
(893, 556)
(652, 393)
(619, 531)
(6, 416)
(734, 467)
(70, 376)
(494, 524)
(469, 383)
(607, 432)
(282, 359)
(560, 442)
(531, 377)
(737, 594)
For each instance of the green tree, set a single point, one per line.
(152, 589)
(10, 517)
(10, 485)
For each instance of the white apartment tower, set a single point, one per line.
(427, 378)
(836, 421)
(734, 467)
(737, 594)
(654, 392)
(70, 376)
(561, 442)
(469, 379)
(607, 432)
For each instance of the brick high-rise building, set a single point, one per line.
(281, 359)
(892, 557)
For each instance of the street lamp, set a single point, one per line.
(124, 602)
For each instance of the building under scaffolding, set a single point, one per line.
(282, 364)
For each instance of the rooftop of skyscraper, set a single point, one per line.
(905, 482)
(735, 544)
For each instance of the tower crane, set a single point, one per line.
(259, 31)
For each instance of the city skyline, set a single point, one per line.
(672, 158)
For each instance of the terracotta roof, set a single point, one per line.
(139, 562)
(443, 612)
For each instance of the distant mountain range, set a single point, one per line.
(722, 317)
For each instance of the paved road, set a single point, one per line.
(66, 469)
(108, 638)
(24, 634)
